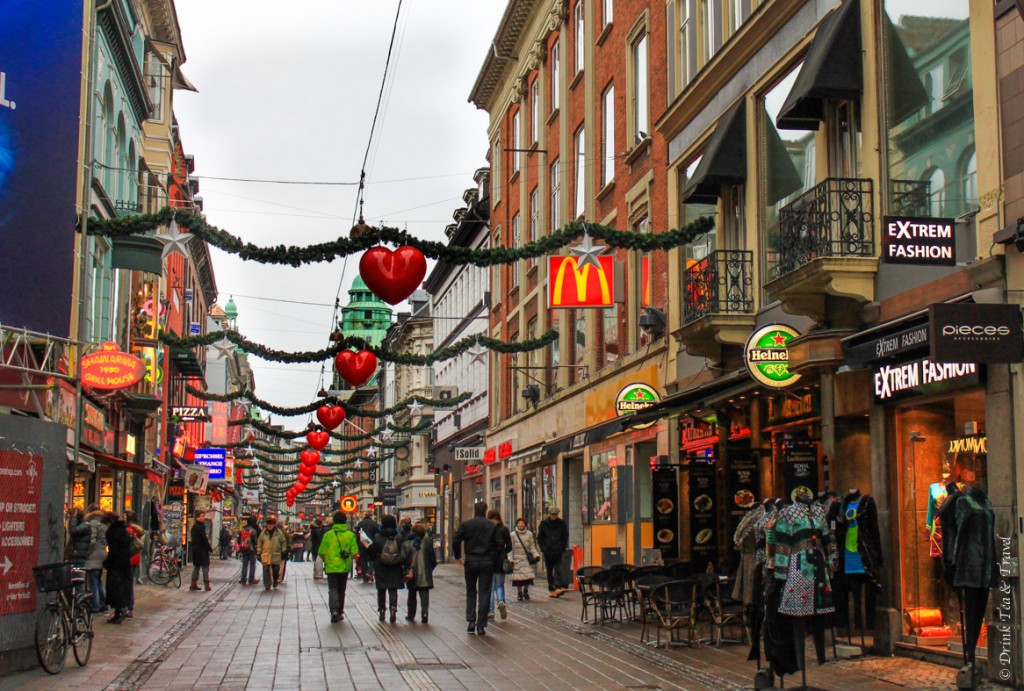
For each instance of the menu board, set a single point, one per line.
(703, 541)
(800, 468)
(665, 499)
(743, 482)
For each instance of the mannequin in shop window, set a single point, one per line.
(975, 562)
(859, 558)
(803, 552)
(937, 494)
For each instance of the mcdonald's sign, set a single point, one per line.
(571, 287)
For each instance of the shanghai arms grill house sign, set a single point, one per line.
(110, 369)
(767, 355)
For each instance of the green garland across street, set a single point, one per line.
(342, 247)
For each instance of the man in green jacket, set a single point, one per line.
(337, 549)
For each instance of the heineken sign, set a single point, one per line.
(633, 398)
(767, 355)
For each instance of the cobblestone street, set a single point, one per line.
(240, 637)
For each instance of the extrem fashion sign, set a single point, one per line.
(920, 241)
(921, 377)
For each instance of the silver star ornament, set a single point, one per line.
(175, 242)
(587, 253)
(224, 348)
(416, 408)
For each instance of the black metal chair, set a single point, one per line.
(628, 587)
(644, 586)
(725, 611)
(610, 594)
(585, 584)
(675, 604)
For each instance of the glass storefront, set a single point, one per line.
(938, 441)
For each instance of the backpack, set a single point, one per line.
(245, 541)
(391, 555)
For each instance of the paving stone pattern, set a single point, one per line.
(243, 637)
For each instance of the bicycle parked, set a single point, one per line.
(164, 566)
(67, 618)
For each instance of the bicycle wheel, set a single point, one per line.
(176, 574)
(81, 631)
(51, 639)
(160, 571)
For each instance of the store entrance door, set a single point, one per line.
(573, 499)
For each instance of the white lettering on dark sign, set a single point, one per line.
(894, 379)
(929, 241)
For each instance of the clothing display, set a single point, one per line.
(974, 551)
(745, 539)
(857, 532)
(937, 494)
(803, 546)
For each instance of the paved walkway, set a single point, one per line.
(242, 637)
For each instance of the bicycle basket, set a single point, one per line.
(52, 577)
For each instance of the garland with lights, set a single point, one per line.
(266, 448)
(421, 426)
(371, 236)
(350, 411)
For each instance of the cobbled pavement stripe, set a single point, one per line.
(397, 649)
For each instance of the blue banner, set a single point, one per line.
(40, 93)
(214, 459)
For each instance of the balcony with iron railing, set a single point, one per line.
(718, 301)
(824, 247)
(127, 208)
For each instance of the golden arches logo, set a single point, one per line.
(560, 266)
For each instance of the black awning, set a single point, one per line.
(833, 70)
(725, 159)
(698, 397)
(578, 440)
(187, 362)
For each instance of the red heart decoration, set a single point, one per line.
(309, 457)
(355, 368)
(304, 478)
(330, 416)
(289, 502)
(318, 439)
(392, 276)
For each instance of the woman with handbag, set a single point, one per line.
(503, 567)
(525, 556)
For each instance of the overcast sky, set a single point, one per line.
(287, 91)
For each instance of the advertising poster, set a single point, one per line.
(743, 480)
(665, 499)
(800, 470)
(40, 93)
(20, 494)
(703, 541)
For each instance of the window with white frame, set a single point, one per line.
(606, 12)
(535, 111)
(516, 142)
(556, 76)
(608, 135)
(640, 87)
(517, 241)
(496, 170)
(581, 165)
(707, 28)
(581, 36)
(533, 229)
(556, 194)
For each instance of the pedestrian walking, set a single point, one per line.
(477, 537)
(298, 544)
(79, 538)
(98, 521)
(421, 573)
(199, 542)
(553, 540)
(317, 530)
(502, 566)
(270, 549)
(391, 554)
(248, 534)
(137, 533)
(366, 531)
(337, 549)
(224, 542)
(524, 559)
(118, 564)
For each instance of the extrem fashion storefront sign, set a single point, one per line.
(920, 241)
(921, 377)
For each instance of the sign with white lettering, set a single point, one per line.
(921, 377)
(968, 332)
(767, 355)
(20, 494)
(920, 241)
(186, 413)
(467, 454)
(214, 459)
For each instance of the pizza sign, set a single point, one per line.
(767, 355)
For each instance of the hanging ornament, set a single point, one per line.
(355, 367)
(348, 474)
(318, 439)
(330, 416)
(393, 276)
(587, 253)
(416, 408)
(309, 457)
(304, 478)
(175, 242)
(478, 354)
(224, 348)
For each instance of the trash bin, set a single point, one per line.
(610, 556)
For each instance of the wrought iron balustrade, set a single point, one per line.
(832, 219)
(721, 283)
(127, 208)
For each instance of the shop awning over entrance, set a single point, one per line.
(833, 70)
(702, 396)
(120, 463)
(724, 162)
(583, 438)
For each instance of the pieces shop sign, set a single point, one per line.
(967, 332)
(920, 241)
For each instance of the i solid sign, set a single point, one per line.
(111, 369)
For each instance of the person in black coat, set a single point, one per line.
(201, 549)
(479, 539)
(553, 539)
(365, 563)
(119, 569)
(317, 530)
(80, 534)
(389, 577)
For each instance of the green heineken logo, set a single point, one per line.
(767, 355)
(634, 397)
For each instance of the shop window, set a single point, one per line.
(549, 487)
(929, 105)
(579, 342)
(601, 495)
(610, 333)
(936, 442)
